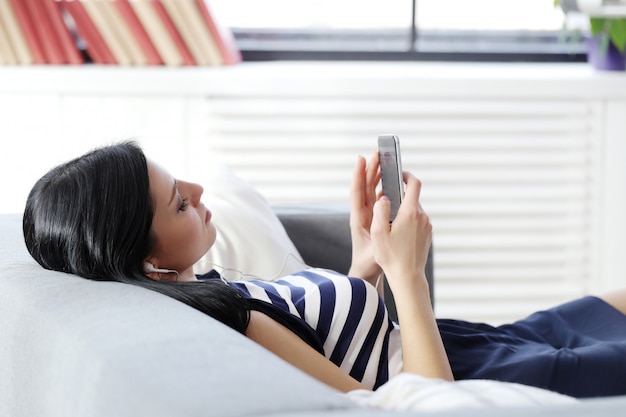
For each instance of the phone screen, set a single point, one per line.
(391, 170)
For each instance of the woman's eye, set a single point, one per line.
(183, 204)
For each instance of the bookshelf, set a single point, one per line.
(114, 32)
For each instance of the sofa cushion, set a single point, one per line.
(73, 347)
(250, 237)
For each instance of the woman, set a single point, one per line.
(113, 215)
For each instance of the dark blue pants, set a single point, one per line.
(577, 349)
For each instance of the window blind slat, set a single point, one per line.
(405, 125)
(432, 143)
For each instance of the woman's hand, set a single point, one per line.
(365, 179)
(401, 249)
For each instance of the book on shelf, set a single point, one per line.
(195, 32)
(170, 27)
(114, 32)
(7, 56)
(66, 42)
(96, 9)
(224, 38)
(124, 33)
(157, 32)
(44, 31)
(96, 47)
(28, 28)
(138, 32)
(16, 38)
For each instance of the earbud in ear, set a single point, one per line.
(148, 267)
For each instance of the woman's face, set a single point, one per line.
(181, 224)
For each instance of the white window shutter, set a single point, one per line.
(509, 184)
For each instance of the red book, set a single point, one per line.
(231, 54)
(45, 32)
(96, 47)
(135, 26)
(66, 41)
(173, 32)
(28, 27)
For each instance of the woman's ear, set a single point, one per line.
(150, 270)
(159, 274)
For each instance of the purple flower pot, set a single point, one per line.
(610, 60)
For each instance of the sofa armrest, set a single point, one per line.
(321, 233)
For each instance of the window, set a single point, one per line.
(399, 29)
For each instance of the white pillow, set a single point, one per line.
(250, 237)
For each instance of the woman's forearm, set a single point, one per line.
(376, 280)
(423, 352)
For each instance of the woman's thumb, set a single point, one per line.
(380, 220)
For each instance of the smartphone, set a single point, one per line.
(391, 169)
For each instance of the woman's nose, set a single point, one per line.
(193, 191)
(197, 191)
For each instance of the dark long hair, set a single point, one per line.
(92, 217)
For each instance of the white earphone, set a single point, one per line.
(148, 267)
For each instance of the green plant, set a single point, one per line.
(609, 30)
(613, 30)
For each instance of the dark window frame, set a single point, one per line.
(411, 44)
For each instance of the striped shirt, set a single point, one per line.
(347, 314)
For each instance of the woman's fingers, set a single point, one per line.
(372, 177)
(365, 180)
(380, 221)
(357, 187)
(413, 185)
(412, 192)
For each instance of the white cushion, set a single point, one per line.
(250, 237)
(74, 347)
(410, 392)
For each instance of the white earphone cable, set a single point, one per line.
(243, 275)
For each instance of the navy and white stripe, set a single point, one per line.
(347, 314)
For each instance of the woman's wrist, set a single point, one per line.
(367, 274)
(408, 285)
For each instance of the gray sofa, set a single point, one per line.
(71, 347)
